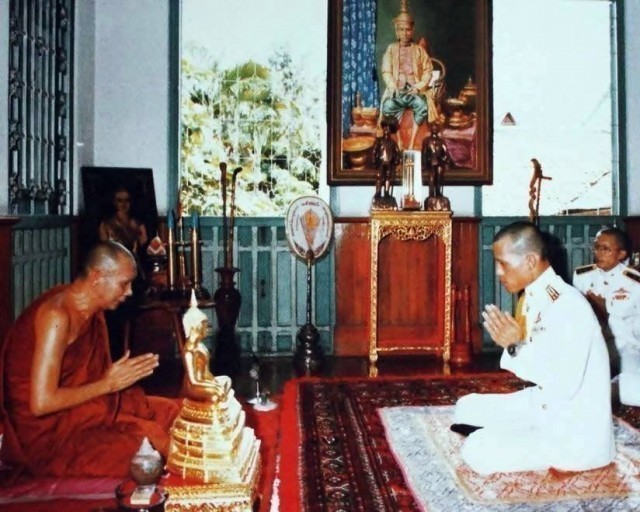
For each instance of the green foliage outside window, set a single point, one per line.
(263, 118)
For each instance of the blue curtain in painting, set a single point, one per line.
(358, 57)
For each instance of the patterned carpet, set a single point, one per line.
(429, 455)
(334, 452)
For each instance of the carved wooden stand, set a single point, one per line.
(403, 226)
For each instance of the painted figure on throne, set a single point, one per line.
(408, 71)
(422, 63)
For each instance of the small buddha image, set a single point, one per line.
(209, 439)
(200, 383)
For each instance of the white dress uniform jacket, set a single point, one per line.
(620, 287)
(564, 421)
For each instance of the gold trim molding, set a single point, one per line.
(406, 225)
(218, 496)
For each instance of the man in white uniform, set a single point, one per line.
(564, 421)
(613, 289)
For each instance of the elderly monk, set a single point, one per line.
(67, 409)
(564, 421)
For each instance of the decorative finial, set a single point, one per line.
(193, 317)
(404, 17)
(146, 465)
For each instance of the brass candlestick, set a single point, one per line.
(196, 259)
(182, 262)
(179, 281)
(171, 252)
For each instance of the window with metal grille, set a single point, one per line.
(40, 106)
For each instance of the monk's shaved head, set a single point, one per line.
(105, 256)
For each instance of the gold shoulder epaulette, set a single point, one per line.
(585, 268)
(552, 293)
(631, 274)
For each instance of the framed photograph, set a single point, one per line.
(426, 65)
(99, 187)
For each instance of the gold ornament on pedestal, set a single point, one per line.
(210, 444)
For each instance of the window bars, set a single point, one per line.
(40, 106)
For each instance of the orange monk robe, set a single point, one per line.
(96, 438)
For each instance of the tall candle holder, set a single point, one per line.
(181, 244)
(179, 281)
(171, 253)
(196, 259)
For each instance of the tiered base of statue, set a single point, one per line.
(216, 455)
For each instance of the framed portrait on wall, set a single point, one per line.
(427, 65)
(101, 187)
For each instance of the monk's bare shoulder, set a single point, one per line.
(54, 318)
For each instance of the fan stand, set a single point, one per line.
(308, 358)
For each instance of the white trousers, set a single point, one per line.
(510, 440)
(629, 380)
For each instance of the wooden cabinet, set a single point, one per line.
(423, 296)
(405, 280)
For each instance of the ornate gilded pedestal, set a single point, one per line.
(408, 225)
(216, 457)
(221, 497)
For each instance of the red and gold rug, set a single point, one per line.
(335, 454)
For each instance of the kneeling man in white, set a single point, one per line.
(564, 420)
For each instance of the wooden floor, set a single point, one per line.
(276, 371)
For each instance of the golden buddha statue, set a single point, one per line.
(200, 384)
(210, 443)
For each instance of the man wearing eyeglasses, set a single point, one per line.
(613, 289)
